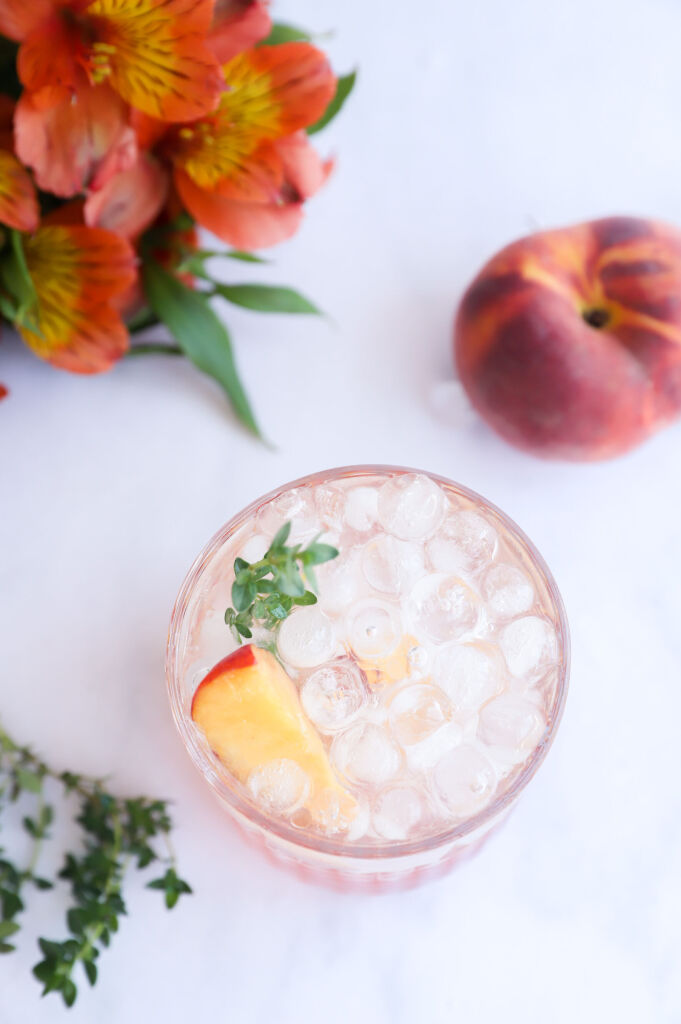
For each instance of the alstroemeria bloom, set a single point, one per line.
(235, 169)
(78, 272)
(153, 53)
(82, 63)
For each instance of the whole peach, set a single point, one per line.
(568, 342)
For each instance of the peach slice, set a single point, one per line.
(249, 711)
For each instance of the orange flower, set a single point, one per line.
(77, 273)
(153, 53)
(236, 166)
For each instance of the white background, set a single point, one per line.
(472, 124)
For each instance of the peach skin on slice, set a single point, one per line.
(249, 711)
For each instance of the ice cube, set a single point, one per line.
(340, 582)
(397, 811)
(296, 506)
(366, 754)
(464, 780)
(469, 674)
(215, 639)
(333, 695)
(359, 826)
(442, 608)
(392, 566)
(280, 787)
(374, 629)
(419, 659)
(420, 719)
(330, 504)
(423, 755)
(411, 506)
(511, 727)
(253, 549)
(529, 645)
(416, 712)
(507, 591)
(306, 638)
(361, 508)
(464, 544)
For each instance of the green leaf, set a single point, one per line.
(44, 970)
(30, 781)
(51, 950)
(242, 595)
(281, 536)
(344, 87)
(307, 598)
(321, 553)
(31, 827)
(8, 309)
(202, 336)
(90, 970)
(69, 992)
(265, 298)
(281, 33)
(42, 883)
(244, 257)
(7, 947)
(76, 920)
(8, 928)
(11, 903)
(16, 274)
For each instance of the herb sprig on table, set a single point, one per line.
(265, 592)
(117, 834)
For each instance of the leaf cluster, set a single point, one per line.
(116, 834)
(265, 592)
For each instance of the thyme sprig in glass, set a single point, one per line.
(116, 835)
(265, 592)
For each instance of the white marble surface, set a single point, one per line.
(473, 124)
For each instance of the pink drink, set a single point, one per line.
(433, 667)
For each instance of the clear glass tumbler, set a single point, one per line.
(331, 859)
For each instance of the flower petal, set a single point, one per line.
(304, 171)
(52, 56)
(149, 130)
(131, 200)
(153, 52)
(243, 225)
(20, 17)
(67, 143)
(18, 199)
(77, 273)
(271, 92)
(238, 25)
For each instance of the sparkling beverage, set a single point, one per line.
(432, 669)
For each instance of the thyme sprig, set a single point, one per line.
(265, 592)
(116, 834)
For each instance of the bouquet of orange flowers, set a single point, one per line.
(124, 125)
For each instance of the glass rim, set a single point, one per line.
(320, 844)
